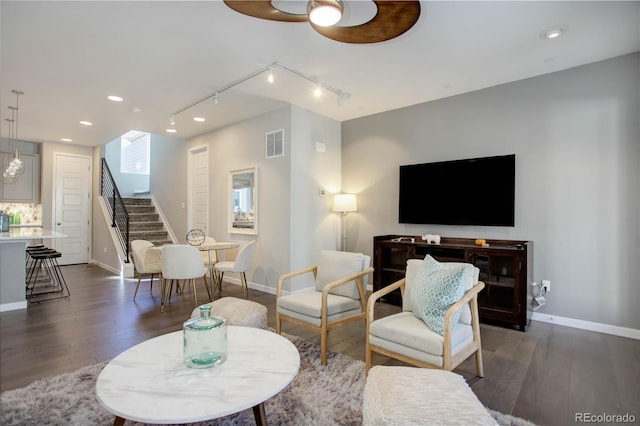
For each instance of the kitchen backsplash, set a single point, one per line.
(30, 214)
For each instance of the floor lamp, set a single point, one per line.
(345, 203)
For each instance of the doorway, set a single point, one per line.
(71, 207)
(199, 188)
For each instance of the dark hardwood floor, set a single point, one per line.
(545, 375)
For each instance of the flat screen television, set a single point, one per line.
(475, 191)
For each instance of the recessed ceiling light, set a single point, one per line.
(86, 123)
(171, 130)
(114, 98)
(200, 119)
(552, 33)
(66, 140)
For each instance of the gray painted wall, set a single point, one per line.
(576, 137)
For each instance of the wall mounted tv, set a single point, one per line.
(475, 191)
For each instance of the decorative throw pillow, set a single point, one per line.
(435, 288)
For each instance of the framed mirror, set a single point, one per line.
(243, 201)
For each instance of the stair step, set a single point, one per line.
(148, 235)
(143, 217)
(135, 208)
(137, 201)
(146, 226)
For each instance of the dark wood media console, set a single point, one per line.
(506, 268)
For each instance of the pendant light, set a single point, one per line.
(15, 168)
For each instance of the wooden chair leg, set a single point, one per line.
(323, 346)
(479, 366)
(245, 289)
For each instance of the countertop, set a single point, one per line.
(28, 233)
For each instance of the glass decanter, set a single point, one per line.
(205, 340)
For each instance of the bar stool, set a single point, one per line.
(52, 282)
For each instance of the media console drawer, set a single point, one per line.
(505, 267)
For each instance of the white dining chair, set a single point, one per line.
(241, 265)
(182, 262)
(139, 249)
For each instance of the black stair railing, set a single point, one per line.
(115, 205)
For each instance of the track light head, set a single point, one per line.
(216, 100)
(172, 120)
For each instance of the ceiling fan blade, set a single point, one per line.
(392, 19)
(265, 10)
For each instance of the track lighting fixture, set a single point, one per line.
(319, 86)
(172, 120)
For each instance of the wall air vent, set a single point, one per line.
(275, 144)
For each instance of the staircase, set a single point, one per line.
(144, 222)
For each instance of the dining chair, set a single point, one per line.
(139, 249)
(182, 262)
(241, 265)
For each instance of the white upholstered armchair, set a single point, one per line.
(338, 298)
(450, 339)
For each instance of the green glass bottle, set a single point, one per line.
(205, 340)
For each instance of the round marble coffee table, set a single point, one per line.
(150, 383)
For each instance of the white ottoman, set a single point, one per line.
(237, 312)
(420, 396)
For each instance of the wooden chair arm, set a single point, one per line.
(345, 280)
(380, 293)
(289, 275)
(357, 276)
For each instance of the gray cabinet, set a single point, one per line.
(27, 188)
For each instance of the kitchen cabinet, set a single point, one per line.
(27, 188)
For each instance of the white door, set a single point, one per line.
(199, 189)
(71, 209)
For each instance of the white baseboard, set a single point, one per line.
(587, 325)
(107, 267)
(14, 306)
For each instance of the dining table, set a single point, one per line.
(153, 258)
(13, 250)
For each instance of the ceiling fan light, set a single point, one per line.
(324, 13)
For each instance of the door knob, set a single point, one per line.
(59, 224)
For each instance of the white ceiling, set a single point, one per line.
(162, 56)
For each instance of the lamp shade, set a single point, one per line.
(345, 203)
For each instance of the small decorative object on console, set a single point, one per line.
(480, 242)
(195, 237)
(431, 239)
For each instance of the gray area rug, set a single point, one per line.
(318, 396)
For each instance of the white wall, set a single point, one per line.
(127, 183)
(294, 222)
(576, 138)
(313, 225)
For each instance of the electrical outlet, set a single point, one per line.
(546, 286)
